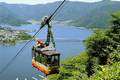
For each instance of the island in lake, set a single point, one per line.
(11, 36)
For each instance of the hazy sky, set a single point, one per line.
(32, 2)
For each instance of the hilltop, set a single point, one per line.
(97, 18)
(9, 17)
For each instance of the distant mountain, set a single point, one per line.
(4, 10)
(23, 10)
(97, 18)
(9, 17)
(88, 15)
(71, 10)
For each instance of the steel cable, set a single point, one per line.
(59, 9)
(52, 16)
(21, 50)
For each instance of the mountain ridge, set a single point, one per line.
(9, 17)
(97, 18)
(71, 11)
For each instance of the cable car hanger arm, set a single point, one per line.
(46, 21)
(49, 18)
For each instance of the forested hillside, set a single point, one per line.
(4, 10)
(71, 10)
(100, 60)
(83, 14)
(97, 18)
(9, 17)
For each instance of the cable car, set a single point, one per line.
(44, 56)
(46, 61)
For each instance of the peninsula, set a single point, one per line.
(10, 36)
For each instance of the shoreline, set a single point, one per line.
(12, 37)
(19, 41)
(60, 23)
(83, 28)
(34, 38)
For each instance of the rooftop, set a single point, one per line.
(50, 53)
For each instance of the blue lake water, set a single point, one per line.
(21, 67)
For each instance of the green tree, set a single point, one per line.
(72, 68)
(114, 30)
(2, 36)
(102, 44)
(101, 60)
(96, 46)
(24, 36)
(107, 72)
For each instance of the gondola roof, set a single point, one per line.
(49, 53)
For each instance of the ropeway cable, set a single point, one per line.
(59, 9)
(52, 16)
(21, 49)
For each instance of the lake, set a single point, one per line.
(21, 67)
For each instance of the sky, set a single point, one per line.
(33, 2)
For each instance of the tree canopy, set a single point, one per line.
(100, 60)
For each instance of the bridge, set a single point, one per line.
(65, 39)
